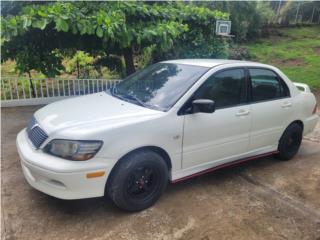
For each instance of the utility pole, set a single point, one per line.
(297, 12)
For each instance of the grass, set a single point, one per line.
(295, 51)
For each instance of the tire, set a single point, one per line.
(290, 142)
(138, 181)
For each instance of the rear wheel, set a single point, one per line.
(138, 181)
(290, 142)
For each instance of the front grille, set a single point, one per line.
(36, 135)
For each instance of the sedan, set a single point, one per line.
(170, 121)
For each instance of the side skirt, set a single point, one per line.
(233, 163)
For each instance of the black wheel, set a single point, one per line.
(290, 142)
(138, 181)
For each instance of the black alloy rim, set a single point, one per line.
(143, 182)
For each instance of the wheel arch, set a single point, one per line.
(299, 122)
(155, 149)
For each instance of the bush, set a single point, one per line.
(239, 53)
(199, 47)
(81, 64)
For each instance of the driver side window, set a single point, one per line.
(226, 89)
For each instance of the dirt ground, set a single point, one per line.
(262, 199)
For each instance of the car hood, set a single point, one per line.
(89, 110)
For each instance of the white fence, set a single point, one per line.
(21, 92)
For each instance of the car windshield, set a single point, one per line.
(158, 86)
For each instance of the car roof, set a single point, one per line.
(208, 62)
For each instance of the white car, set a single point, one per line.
(168, 122)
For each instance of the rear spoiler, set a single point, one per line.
(302, 87)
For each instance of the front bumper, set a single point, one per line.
(58, 177)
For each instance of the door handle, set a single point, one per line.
(286, 105)
(242, 113)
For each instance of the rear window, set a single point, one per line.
(266, 85)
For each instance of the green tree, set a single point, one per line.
(80, 63)
(104, 27)
(33, 53)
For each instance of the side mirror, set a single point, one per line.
(203, 105)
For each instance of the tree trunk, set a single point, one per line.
(31, 85)
(78, 69)
(128, 58)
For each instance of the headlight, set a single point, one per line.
(72, 149)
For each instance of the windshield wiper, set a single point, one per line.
(128, 97)
(137, 100)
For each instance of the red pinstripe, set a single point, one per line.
(234, 163)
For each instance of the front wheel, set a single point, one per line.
(290, 142)
(138, 181)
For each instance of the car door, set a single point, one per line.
(218, 136)
(271, 108)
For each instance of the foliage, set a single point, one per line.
(32, 53)
(8, 68)
(238, 53)
(199, 46)
(295, 12)
(251, 19)
(296, 53)
(104, 27)
(81, 63)
(124, 35)
(247, 17)
(199, 42)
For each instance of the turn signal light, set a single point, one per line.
(95, 174)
